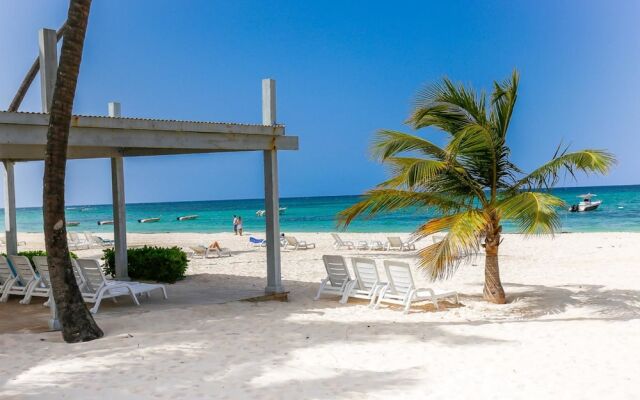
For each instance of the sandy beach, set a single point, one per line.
(569, 331)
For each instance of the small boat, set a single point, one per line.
(187, 217)
(261, 213)
(106, 222)
(586, 204)
(145, 220)
(73, 223)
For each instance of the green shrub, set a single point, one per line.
(33, 253)
(162, 264)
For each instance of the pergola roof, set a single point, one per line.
(24, 137)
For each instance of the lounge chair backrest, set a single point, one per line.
(399, 275)
(394, 241)
(89, 238)
(337, 238)
(42, 267)
(92, 273)
(337, 271)
(199, 249)
(366, 272)
(23, 268)
(74, 237)
(5, 270)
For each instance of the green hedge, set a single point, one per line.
(34, 253)
(162, 264)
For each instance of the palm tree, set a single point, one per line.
(76, 320)
(471, 181)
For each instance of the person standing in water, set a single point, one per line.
(239, 226)
(235, 224)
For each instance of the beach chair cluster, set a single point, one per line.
(286, 242)
(365, 283)
(86, 240)
(19, 277)
(202, 251)
(392, 243)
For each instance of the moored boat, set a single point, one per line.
(187, 217)
(146, 220)
(586, 204)
(73, 223)
(106, 222)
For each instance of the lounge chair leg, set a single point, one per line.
(347, 291)
(323, 283)
(380, 297)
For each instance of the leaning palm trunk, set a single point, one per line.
(76, 320)
(471, 181)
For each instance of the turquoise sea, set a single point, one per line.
(620, 211)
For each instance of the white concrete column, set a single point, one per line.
(119, 208)
(10, 229)
(271, 195)
(48, 44)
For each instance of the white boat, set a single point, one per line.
(261, 213)
(586, 204)
(106, 222)
(187, 217)
(146, 220)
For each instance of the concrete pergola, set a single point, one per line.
(23, 137)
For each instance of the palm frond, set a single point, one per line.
(388, 143)
(385, 200)
(546, 176)
(448, 106)
(440, 260)
(503, 101)
(413, 171)
(534, 212)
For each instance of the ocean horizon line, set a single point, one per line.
(288, 197)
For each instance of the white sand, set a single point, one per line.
(571, 330)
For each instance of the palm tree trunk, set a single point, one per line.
(493, 290)
(76, 320)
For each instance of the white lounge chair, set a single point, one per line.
(402, 290)
(25, 278)
(40, 285)
(396, 243)
(375, 245)
(338, 243)
(97, 241)
(367, 281)
(98, 287)
(75, 242)
(202, 251)
(9, 282)
(19, 243)
(338, 280)
(298, 244)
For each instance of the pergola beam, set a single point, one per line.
(24, 137)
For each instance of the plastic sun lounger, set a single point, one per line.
(338, 243)
(367, 281)
(396, 243)
(338, 280)
(202, 251)
(296, 244)
(9, 281)
(25, 277)
(42, 288)
(98, 287)
(402, 290)
(255, 242)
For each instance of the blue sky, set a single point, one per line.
(343, 70)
